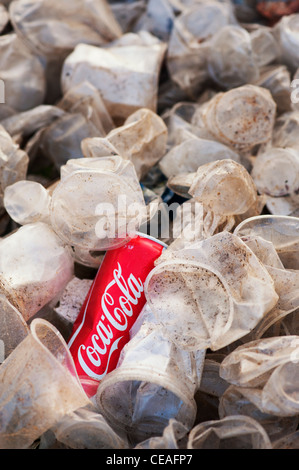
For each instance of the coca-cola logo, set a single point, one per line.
(115, 313)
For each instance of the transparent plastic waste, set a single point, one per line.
(267, 372)
(174, 437)
(265, 47)
(85, 428)
(142, 140)
(13, 328)
(25, 124)
(286, 31)
(281, 231)
(277, 79)
(98, 203)
(61, 140)
(189, 45)
(288, 442)
(225, 187)
(193, 222)
(285, 130)
(4, 15)
(22, 74)
(158, 19)
(276, 172)
(187, 156)
(154, 381)
(128, 13)
(27, 202)
(232, 432)
(41, 362)
(210, 293)
(240, 118)
(86, 99)
(53, 29)
(233, 402)
(125, 73)
(13, 163)
(35, 267)
(231, 61)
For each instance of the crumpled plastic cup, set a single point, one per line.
(276, 172)
(35, 267)
(141, 139)
(38, 385)
(153, 382)
(231, 61)
(233, 402)
(232, 432)
(240, 118)
(174, 437)
(98, 203)
(189, 45)
(280, 230)
(85, 428)
(210, 293)
(286, 32)
(267, 372)
(225, 187)
(27, 202)
(189, 154)
(13, 328)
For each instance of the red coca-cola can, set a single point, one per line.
(112, 305)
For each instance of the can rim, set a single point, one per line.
(150, 237)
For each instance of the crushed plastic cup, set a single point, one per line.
(27, 202)
(277, 79)
(174, 437)
(286, 130)
(13, 328)
(231, 432)
(286, 32)
(240, 118)
(87, 99)
(189, 45)
(98, 203)
(187, 156)
(276, 172)
(35, 267)
(231, 60)
(233, 402)
(281, 231)
(85, 428)
(225, 187)
(154, 381)
(38, 386)
(22, 72)
(116, 63)
(141, 139)
(267, 372)
(14, 163)
(210, 293)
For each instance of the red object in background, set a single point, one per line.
(274, 10)
(113, 303)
